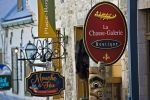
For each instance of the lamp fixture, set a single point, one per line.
(42, 49)
(31, 51)
(16, 50)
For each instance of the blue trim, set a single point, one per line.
(133, 50)
(18, 18)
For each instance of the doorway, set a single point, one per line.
(82, 65)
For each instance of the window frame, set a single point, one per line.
(19, 5)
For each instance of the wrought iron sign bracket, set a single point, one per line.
(42, 48)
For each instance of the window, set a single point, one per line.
(62, 1)
(11, 36)
(15, 83)
(20, 5)
(148, 21)
(0, 56)
(148, 46)
(82, 64)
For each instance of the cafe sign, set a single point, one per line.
(105, 33)
(45, 83)
(5, 77)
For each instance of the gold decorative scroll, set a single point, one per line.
(105, 16)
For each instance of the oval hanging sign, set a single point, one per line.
(105, 33)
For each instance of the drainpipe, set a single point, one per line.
(133, 50)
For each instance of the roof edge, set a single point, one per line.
(16, 22)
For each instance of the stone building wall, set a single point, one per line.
(124, 58)
(143, 7)
(143, 17)
(71, 13)
(143, 4)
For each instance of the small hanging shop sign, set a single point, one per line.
(5, 77)
(45, 83)
(105, 33)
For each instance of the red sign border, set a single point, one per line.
(125, 25)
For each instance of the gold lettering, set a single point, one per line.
(105, 16)
(37, 80)
(44, 81)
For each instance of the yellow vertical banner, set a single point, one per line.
(46, 19)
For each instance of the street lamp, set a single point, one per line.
(31, 51)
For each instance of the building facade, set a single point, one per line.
(17, 25)
(143, 18)
(70, 18)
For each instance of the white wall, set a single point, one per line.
(16, 40)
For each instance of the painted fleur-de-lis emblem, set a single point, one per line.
(106, 56)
